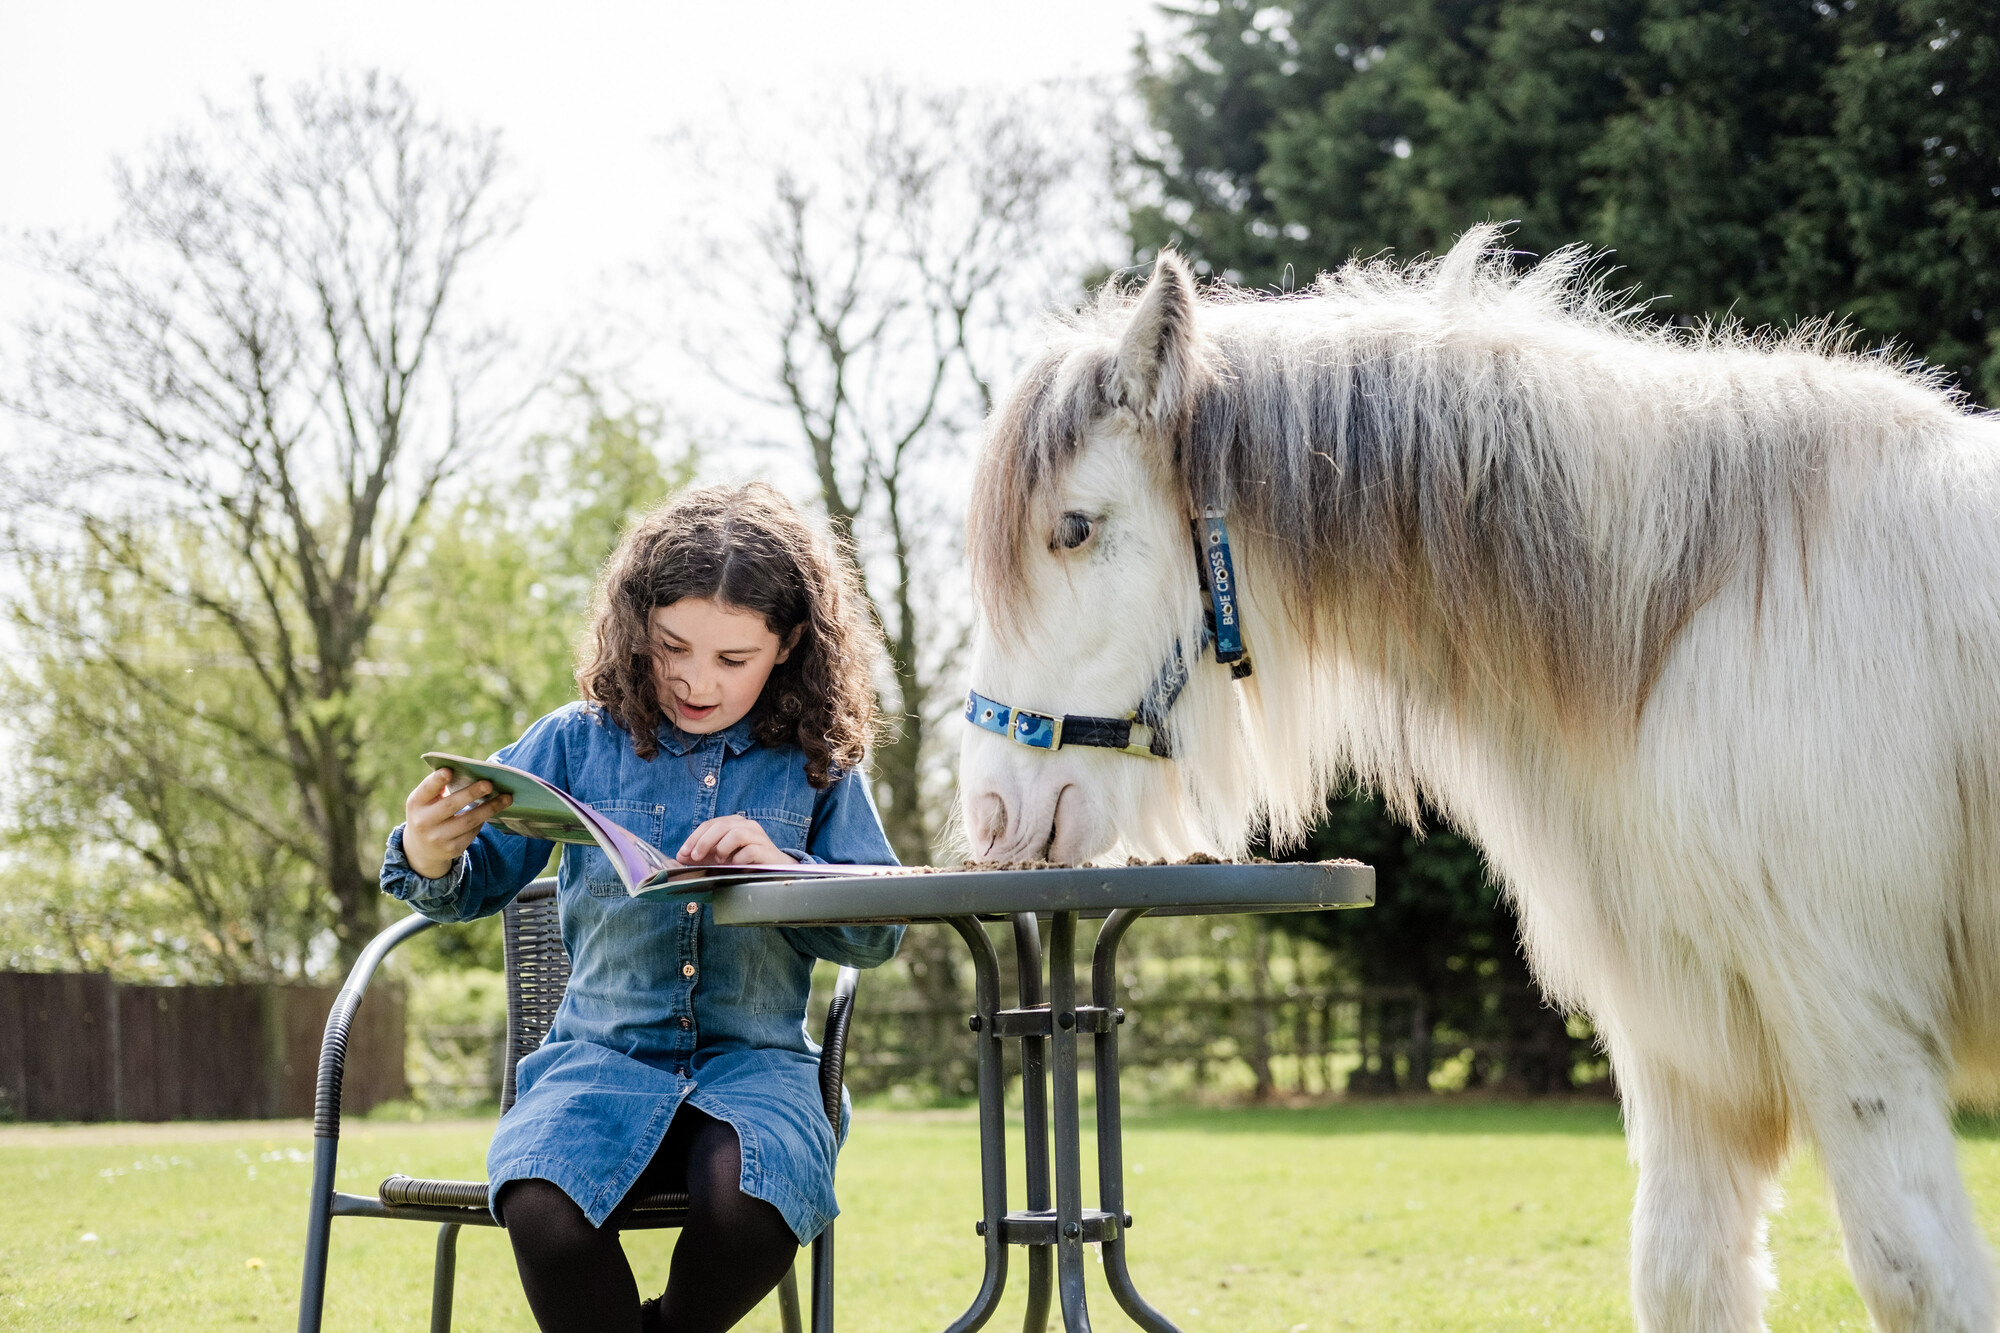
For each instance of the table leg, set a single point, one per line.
(1110, 1126)
(1034, 1112)
(992, 1122)
(1057, 1023)
(1068, 1125)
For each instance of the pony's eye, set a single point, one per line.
(1072, 531)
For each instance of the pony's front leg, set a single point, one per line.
(1705, 1179)
(1885, 1139)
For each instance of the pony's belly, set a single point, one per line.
(1735, 940)
(1661, 985)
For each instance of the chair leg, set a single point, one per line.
(443, 1277)
(319, 1235)
(788, 1300)
(822, 1279)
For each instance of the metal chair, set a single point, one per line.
(537, 975)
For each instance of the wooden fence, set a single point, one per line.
(80, 1046)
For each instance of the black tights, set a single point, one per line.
(730, 1254)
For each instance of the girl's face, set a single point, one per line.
(710, 661)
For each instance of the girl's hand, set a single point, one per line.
(731, 840)
(437, 827)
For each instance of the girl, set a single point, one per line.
(726, 705)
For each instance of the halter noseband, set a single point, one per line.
(1143, 730)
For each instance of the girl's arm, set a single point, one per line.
(496, 866)
(847, 831)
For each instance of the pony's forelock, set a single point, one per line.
(1029, 445)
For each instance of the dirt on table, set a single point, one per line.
(1197, 859)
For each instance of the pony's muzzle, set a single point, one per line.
(1026, 805)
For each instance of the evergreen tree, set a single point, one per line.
(1747, 159)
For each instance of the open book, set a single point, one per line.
(543, 810)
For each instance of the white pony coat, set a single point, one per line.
(1698, 637)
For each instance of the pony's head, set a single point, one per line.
(1091, 599)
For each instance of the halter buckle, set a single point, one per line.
(1039, 731)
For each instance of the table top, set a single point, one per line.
(1168, 890)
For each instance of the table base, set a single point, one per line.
(1047, 1024)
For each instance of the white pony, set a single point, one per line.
(1697, 635)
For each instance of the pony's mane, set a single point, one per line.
(1513, 475)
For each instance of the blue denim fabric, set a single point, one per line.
(663, 1005)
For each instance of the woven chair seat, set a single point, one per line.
(402, 1189)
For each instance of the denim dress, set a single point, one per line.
(664, 1006)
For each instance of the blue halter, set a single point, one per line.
(1143, 730)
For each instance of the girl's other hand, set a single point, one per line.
(437, 827)
(731, 840)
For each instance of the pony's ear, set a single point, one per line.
(1159, 362)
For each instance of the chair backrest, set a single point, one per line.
(537, 974)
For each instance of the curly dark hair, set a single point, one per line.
(747, 547)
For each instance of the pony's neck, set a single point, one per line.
(1356, 691)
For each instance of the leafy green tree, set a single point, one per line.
(257, 383)
(152, 824)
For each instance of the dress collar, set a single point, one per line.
(738, 736)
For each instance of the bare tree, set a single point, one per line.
(903, 241)
(262, 376)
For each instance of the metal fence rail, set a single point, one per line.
(1303, 1043)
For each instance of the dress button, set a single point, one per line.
(693, 908)
(687, 1022)
(687, 969)
(708, 779)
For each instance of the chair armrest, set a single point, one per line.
(833, 1044)
(333, 1046)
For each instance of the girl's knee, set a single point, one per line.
(539, 1216)
(751, 1220)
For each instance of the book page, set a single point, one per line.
(632, 856)
(680, 879)
(540, 809)
(545, 811)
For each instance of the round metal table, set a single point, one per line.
(1047, 1020)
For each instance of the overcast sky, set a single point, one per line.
(582, 94)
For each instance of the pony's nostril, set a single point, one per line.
(990, 820)
(1047, 852)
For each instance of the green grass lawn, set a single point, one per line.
(1430, 1217)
